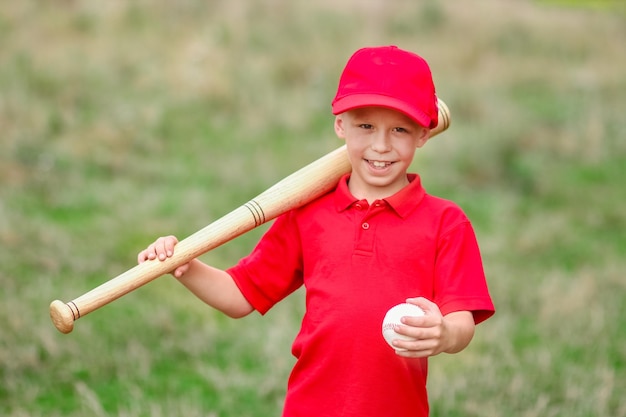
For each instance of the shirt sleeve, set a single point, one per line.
(460, 283)
(273, 270)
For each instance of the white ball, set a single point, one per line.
(392, 319)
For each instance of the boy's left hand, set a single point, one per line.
(433, 332)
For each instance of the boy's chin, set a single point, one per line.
(384, 183)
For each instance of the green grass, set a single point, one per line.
(122, 122)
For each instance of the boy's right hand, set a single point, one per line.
(161, 249)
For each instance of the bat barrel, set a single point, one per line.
(444, 118)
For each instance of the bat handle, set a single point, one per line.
(63, 316)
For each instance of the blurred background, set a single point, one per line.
(122, 121)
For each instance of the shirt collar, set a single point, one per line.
(402, 202)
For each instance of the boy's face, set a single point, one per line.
(381, 143)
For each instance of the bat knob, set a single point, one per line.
(62, 316)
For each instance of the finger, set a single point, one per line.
(424, 346)
(412, 349)
(169, 244)
(410, 331)
(151, 252)
(411, 323)
(160, 249)
(407, 353)
(146, 254)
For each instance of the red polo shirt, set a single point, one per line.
(356, 260)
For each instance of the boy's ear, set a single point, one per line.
(339, 128)
(423, 137)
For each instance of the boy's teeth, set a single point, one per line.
(379, 164)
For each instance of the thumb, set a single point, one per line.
(425, 304)
(180, 271)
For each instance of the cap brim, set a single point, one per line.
(355, 101)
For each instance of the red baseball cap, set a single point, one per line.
(391, 77)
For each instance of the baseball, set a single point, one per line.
(392, 319)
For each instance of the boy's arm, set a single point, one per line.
(216, 288)
(212, 285)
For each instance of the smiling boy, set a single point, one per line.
(378, 239)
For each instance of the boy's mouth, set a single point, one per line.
(378, 164)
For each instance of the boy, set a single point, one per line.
(377, 240)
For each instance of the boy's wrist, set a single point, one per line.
(458, 331)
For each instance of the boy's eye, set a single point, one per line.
(365, 126)
(400, 129)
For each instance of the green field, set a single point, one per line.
(124, 121)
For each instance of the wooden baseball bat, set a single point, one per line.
(296, 190)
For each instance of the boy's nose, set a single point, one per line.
(381, 142)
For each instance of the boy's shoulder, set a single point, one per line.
(442, 205)
(442, 202)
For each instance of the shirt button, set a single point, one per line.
(365, 226)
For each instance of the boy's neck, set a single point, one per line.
(370, 192)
